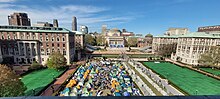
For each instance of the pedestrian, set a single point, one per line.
(52, 89)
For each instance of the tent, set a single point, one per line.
(129, 89)
(117, 94)
(126, 94)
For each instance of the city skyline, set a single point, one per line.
(151, 16)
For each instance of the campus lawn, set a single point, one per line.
(190, 81)
(212, 71)
(37, 80)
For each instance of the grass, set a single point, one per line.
(212, 71)
(39, 79)
(190, 81)
(146, 82)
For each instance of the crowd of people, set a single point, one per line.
(101, 78)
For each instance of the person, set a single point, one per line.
(33, 91)
(52, 89)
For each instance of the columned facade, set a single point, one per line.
(26, 44)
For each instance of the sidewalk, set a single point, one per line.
(56, 85)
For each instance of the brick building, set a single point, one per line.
(209, 29)
(19, 19)
(25, 44)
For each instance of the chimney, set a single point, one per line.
(55, 23)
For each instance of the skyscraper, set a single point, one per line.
(19, 19)
(74, 24)
(55, 23)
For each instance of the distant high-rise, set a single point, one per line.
(74, 24)
(84, 29)
(55, 23)
(19, 19)
(104, 29)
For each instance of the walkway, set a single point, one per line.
(57, 84)
(139, 82)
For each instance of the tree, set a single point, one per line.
(10, 84)
(56, 61)
(167, 49)
(132, 41)
(90, 40)
(35, 65)
(211, 58)
(100, 40)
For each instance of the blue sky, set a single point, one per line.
(139, 16)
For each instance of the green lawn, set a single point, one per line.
(37, 80)
(212, 71)
(190, 81)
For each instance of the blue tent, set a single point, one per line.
(117, 94)
(126, 94)
(124, 85)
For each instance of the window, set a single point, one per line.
(58, 50)
(42, 52)
(52, 44)
(47, 45)
(53, 50)
(48, 51)
(63, 39)
(58, 39)
(21, 36)
(41, 38)
(47, 39)
(64, 52)
(3, 37)
(42, 59)
(58, 45)
(63, 45)
(52, 39)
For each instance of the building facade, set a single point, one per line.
(25, 44)
(176, 31)
(170, 37)
(160, 41)
(19, 19)
(84, 29)
(74, 24)
(114, 38)
(79, 44)
(192, 45)
(209, 29)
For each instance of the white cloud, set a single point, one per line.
(86, 15)
(7, 1)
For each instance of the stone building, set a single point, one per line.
(192, 45)
(25, 44)
(170, 37)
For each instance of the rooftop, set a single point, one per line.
(193, 35)
(33, 29)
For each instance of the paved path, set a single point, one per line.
(142, 86)
(57, 84)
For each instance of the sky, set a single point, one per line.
(138, 16)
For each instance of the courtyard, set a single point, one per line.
(190, 81)
(37, 80)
